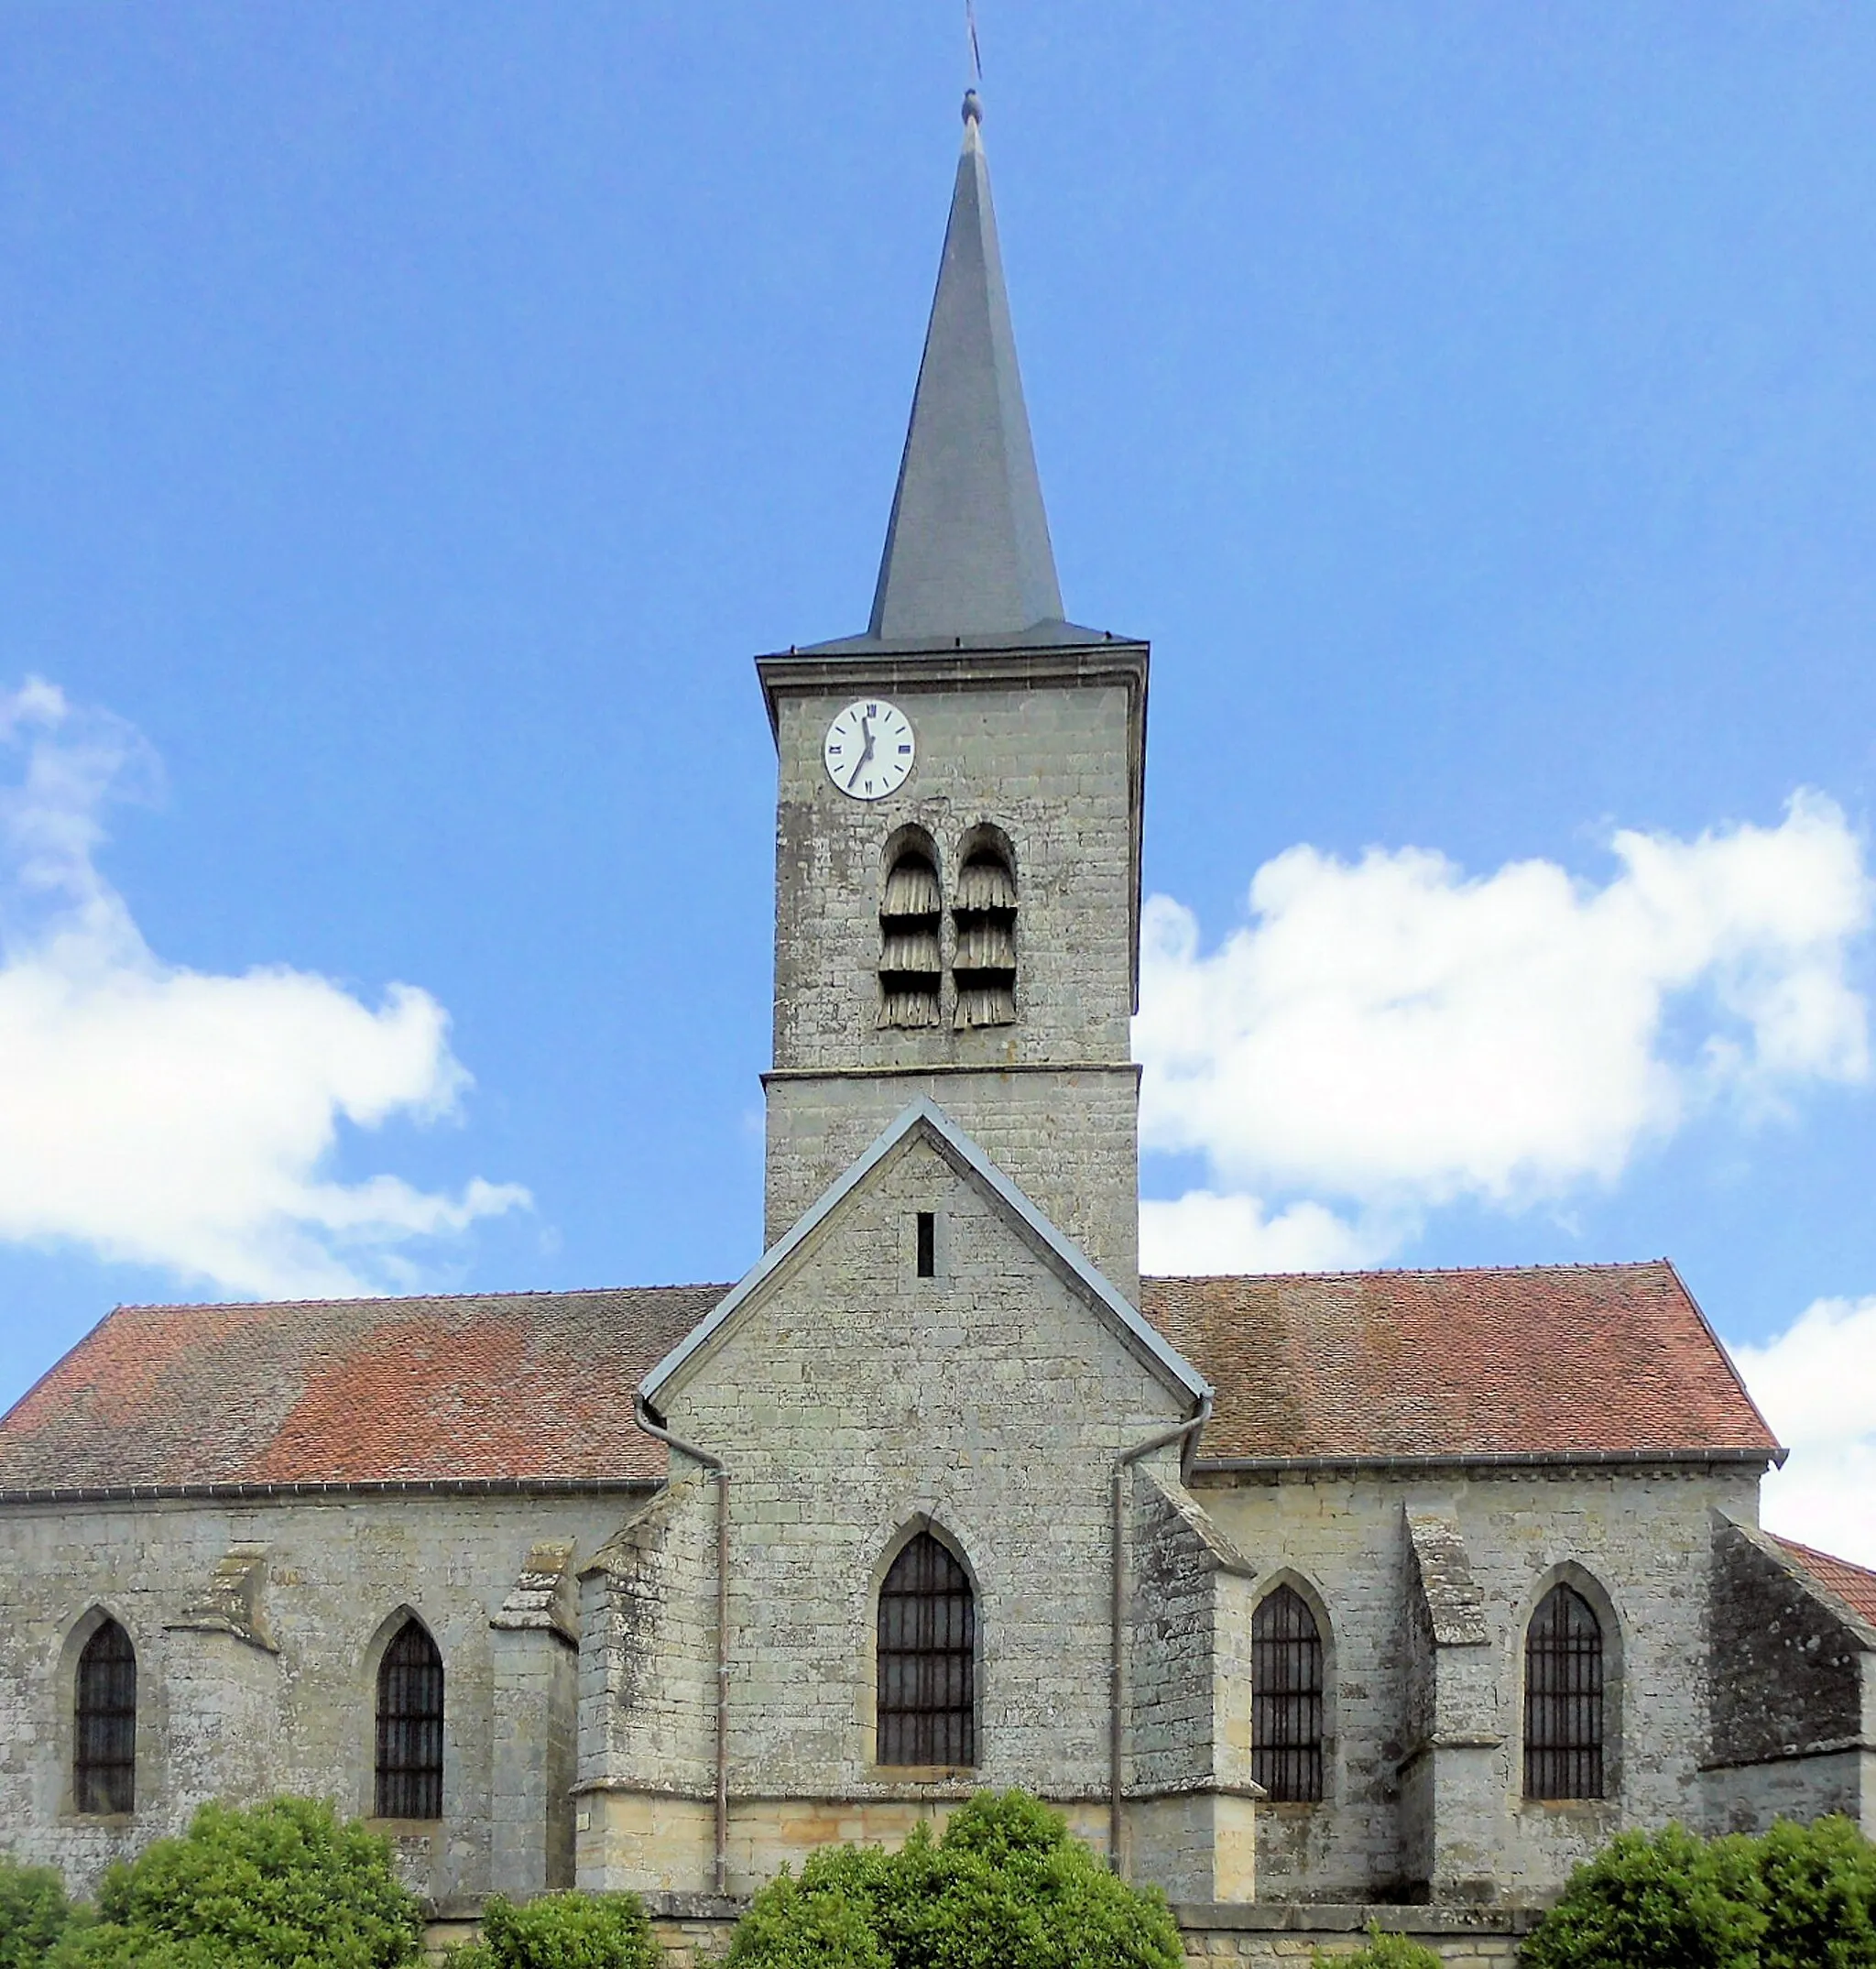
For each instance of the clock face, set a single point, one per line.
(869, 749)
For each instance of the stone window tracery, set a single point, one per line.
(926, 1712)
(1286, 1701)
(103, 1742)
(410, 1727)
(1563, 1698)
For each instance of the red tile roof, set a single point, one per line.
(530, 1385)
(1855, 1585)
(538, 1385)
(1532, 1361)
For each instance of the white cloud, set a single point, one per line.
(164, 1116)
(1203, 1232)
(1393, 1033)
(1816, 1384)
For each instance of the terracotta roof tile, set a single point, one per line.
(535, 1385)
(1530, 1361)
(538, 1385)
(1855, 1585)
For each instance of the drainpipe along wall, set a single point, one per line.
(1116, 1681)
(714, 1464)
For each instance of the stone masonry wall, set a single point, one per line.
(854, 1402)
(217, 1714)
(1047, 765)
(1640, 1538)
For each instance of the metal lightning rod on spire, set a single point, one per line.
(970, 29)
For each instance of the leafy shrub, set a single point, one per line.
(1799, 1897)
(284, 1885)
(34, 1914)
(1383, 1951)
(562, 1931)
(1005, 1885)
(1818, 1885)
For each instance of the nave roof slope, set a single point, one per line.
(1552, 1361)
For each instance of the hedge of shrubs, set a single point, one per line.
(291, 1885)
(1004, 1887)
(1800, 1896)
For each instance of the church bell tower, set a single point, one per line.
(958, 817)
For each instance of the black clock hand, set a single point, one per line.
(866, 733)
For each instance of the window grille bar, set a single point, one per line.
(1563, 1717)
(926, 1708)
(1286, 1699)
(103, 1772)
(410, 1727)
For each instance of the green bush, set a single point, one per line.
(284, 1885)
(1005, 1886)
(34, 1914)
(1383, 1951)
(562, 1931)
(1818, 1886)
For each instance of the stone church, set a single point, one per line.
(1408, 1586)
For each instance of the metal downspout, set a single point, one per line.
(714, 1464)
(1186, 1432)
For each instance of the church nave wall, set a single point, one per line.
(288, 1704)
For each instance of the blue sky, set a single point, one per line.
(413, 418)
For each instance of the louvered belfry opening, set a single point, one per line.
(909, 917)
(104, 1761)
(1286, 1698)
(983, 963)
(1562, 1699)
(927, 1660)
(410, 1727)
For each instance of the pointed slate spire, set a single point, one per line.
(967, 549)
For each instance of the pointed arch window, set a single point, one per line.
(410, 1727)
(984, 918)
(103, 1739)
(927, 1706)
(1562, 1699)
(911, 912)
(1286, 1698)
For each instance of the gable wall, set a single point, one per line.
(853, 1398)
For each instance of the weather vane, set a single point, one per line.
(970, 29)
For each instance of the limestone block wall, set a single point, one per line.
(1068, 1138)
(1636, 1539)
(218, 1714)
(857, 1403)
(1052, 766)
(1794, 1692)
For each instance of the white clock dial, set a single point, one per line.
(868, 750)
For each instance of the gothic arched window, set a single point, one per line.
(410, 1727)
(909, 915)
(103, 1737)
(927, 1660)
(983, 913)
(1562, 1698)
(1286, 1698)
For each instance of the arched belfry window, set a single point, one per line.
(1286, 1698)
(926, 1710)
(983, 913)
(909, 915)
(1562, 1698)
(410, 1727)
(104, 1739)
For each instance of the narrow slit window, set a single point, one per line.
(1286, 1698)
(410, 1727)
(104, 1764)
(1562, 1699)
(909, 917)
(928, 1244)
(983, 959)
(927, 1660)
